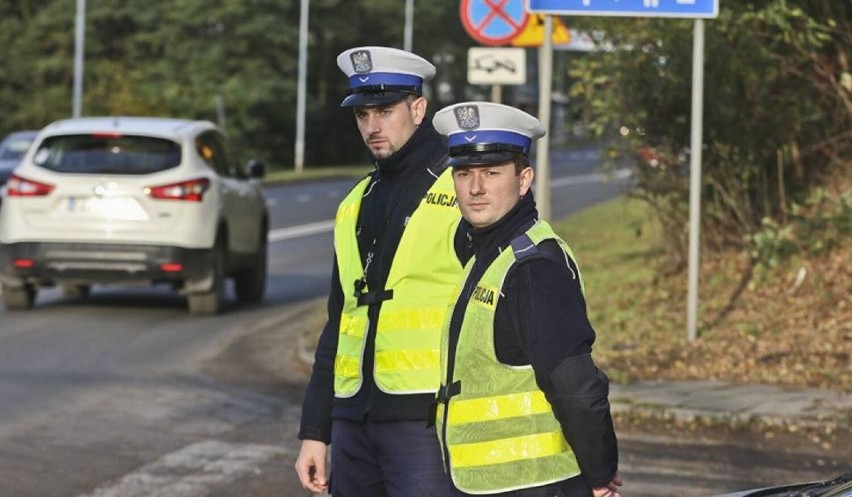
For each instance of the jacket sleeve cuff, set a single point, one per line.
(314, 433)
(603, 480)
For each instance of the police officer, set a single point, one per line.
(522, 410)
(376, 368)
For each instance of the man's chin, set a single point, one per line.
(477, 221)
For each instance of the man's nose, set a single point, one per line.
(477, 186)
(373, 124)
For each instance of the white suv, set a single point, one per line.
(133, 199)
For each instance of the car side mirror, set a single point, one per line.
(256, 169)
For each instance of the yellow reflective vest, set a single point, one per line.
(423, 274)
(498, 429)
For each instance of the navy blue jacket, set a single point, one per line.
(396, 187)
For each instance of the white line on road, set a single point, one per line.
(192, 470)
(282, 234)
(582, 155)
(590, 178)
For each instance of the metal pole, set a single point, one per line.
(545, 72)
(497, 94)
(302, 86)
(409, 25)
(220, 110)
(695, 179)
(79, 40)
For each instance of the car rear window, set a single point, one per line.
(107, 154)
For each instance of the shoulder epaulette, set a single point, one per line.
(523, 247)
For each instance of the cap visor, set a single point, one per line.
(373, 98)
(483, 159)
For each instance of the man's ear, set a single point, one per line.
(526, 175)
(418, 108)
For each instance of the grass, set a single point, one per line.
(312, 173)
(751, 329)
(615, 245)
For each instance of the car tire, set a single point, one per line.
(210, 302)
(250, 283)
(75, 292)
(19, 298)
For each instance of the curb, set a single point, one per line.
(735, 405)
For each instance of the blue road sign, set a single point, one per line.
(628, 8)
(493, 22)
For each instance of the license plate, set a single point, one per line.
(120, 208)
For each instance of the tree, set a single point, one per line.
(778, 119)
(179, 58)
(35, 84)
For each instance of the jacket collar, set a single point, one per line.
(489, 241)
(416, 154)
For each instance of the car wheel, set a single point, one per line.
(210, 302)
(18, 298)
(250, 283)
(75, 292)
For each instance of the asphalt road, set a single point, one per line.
(125, 394)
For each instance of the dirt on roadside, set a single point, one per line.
(273, 354)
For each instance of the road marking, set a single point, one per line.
(582, 155)
(282, 234)
(192, 470)
(590, 178)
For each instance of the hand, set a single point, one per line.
(611, 490)
(311, 466)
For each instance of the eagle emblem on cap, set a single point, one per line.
(361, 61)
(467, 116)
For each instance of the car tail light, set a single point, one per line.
(171, 267)
(23, 263)
(22, 187)
(191, 190)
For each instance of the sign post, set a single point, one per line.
(79, 41)
(301, 88)
(542, 153)
(408, 31)
(695, 9)
(695, 179)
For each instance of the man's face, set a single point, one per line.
(386, 128)
(487, 193)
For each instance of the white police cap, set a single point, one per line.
(382, 75)
(486, 133)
